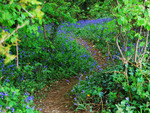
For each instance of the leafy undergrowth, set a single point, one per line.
(41, 64)
(110, 90)
(106, 91)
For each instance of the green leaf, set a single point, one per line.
(13, 39)
(126, 2)
(148, 27)
(18, 7)
(138, 36)
(95, 92)
(40, 21)
(142, 44)
(33, 21)
(141, 21)
(119, 21)
(11, 103)
(23, 16)
(149, 87)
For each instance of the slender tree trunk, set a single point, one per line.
(17, 54)
(44, 31)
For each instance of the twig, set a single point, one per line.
(128, 85)
(27, 12)
(136, 47)
(148, 58)
(7, 36)
(17, 54)
(102, 103)
(109, 53)
(123, 58)
(145, 47)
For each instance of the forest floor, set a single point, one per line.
(57, 99)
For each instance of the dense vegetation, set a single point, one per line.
(38, 46)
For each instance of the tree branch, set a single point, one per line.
(145, 47)
(123, 58)
(110, 54)
(136, 47)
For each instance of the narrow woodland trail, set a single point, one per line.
(57, 99)
(96, 53)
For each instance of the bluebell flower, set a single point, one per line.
(27, 107)
(72, 90)
(75, 98)
(12, 110)
(101, 94)
(90, 69)
(1, 93)
(40, 109)
(79, 78)
(127, 98)
(7, 107)
(14, 93)
(75, 104)
(3, 64)
(107, 54)
(98, 66)
(127, 104)
(26, 93)
(33, 107)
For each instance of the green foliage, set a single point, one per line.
(12, 101)
(15, 13)
(101, 9)
(123, 38)
(58, 11)
(40, 66)
(50, 53)
(109, 88)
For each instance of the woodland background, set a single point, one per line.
(41, 41)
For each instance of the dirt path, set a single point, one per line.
(97, 55)
(57, 99)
